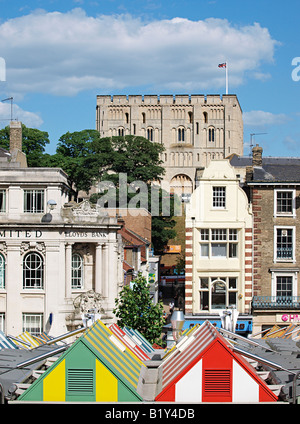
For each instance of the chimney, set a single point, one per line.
(257, 155)
(15, 136)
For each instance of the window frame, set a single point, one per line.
(2, 271)
(287, 214)
(32, 208)
(284, 273)
(26, 325)
(79, 269)
(212, 238)
(4, 198)
(276, 247)
(38, 273)
(207, 290)
(218, 200)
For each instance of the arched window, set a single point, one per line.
(211, 134)
(181, 134)
(121, 132)
(33, 271)
(2, 271)
(205, 117)
(144, 117)
(77, 271)
(218, 295)
(150, 134)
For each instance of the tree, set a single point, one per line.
(135, 309)
(75, 154)
(34, 142)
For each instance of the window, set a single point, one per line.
(121, 132)
(284, 285)
(150, 134)
(2, 271)
(218, 292)
(2, 322)
(284, 244)
(181, 134)
(33, 271)
(33, 323)
(284, 202)
(211, 135)
(2, 200)
(219, 197)
(34, 201)
(77, 271)
(221, 243)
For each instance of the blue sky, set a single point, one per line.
(59, 55)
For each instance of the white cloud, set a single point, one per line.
(260, 118)
(30, 119)
(65, 53)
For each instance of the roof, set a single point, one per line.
(273, 169)
(129, 342)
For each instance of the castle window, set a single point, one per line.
(127, 117)
(181, 134)
(211, 134)
(150, 134)
(144, 117)
(205, 118)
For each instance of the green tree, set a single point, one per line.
(135, 309)
(75, 154)
(34, 142)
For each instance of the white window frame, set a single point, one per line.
(3, 206)
(37, 274)
(33, 320)
(80, 270)
(275, 274)
(279, 227)
(213, 280)
(32, 207)
(217, 198)
(210, 236)
(288, 214)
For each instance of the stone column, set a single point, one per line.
(14, 286)
(68, 270)
(98, 269)
(105, 266)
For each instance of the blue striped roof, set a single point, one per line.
(140, 339)
(6, 343)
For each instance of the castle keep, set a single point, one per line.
(193, 129)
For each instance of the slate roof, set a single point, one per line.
(273, 169)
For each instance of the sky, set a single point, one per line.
(56, 57)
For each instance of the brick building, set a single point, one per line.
(274, 184)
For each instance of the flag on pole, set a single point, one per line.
(224, 65)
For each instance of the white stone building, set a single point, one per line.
(193, 129)
(58, 259)
(218, 245)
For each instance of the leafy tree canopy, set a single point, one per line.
(135, 309)
(34, 142)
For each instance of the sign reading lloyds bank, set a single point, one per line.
(34, 233)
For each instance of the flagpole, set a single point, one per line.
(226, 76)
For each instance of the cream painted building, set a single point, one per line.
(58, 259)
(193, 128)
(218, 245)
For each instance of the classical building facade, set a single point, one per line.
(218, 247)
(58, 260)
(193, 129)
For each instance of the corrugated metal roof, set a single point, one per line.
(129, 342)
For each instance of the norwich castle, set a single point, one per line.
(193, 129)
